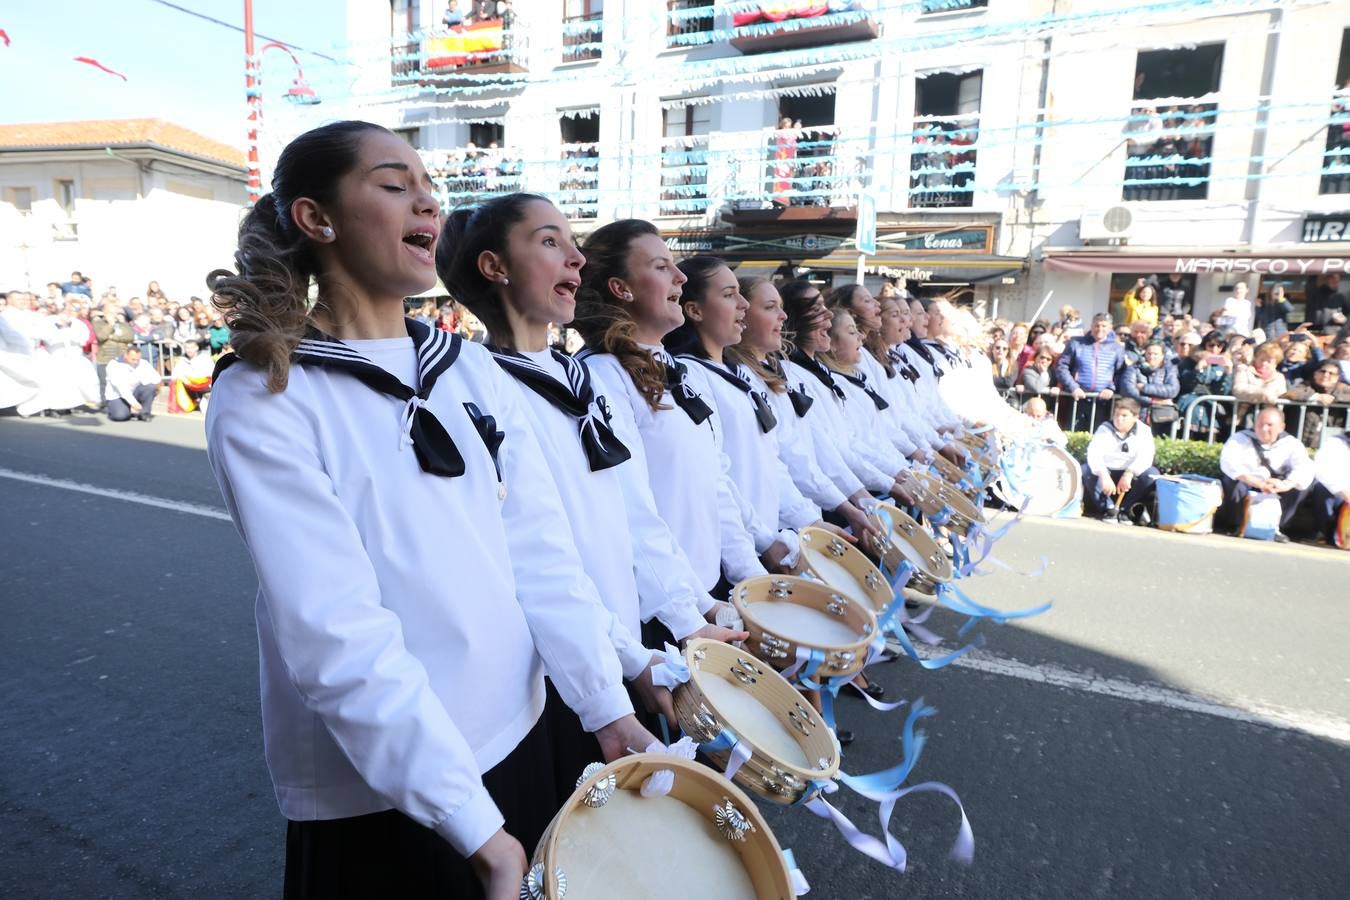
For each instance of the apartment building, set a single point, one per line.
(1009, 148)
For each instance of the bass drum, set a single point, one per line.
(1041, 480)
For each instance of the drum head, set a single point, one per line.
(705, 838)
(831, 560)
(916, 545)
(1049, 481)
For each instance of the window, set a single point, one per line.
(686, 18)
(1336, 160)
(580, 179)
(1169, 144)
(946, 129)
(410, 135)
(684, 159)
(65, 196)
(487, 134)
(21, 198)
(803, 169)
(582, 29)
(405, 20)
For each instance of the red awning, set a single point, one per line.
(1276, 262)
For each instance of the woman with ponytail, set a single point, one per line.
(355, 448)
(904, 386)
(514, 263)
(761, 351)
(715, 314)
(630, 300)
(809, 321)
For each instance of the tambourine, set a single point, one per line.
(1042, 479)
(906, 539)
(702, 838)
(736, 705)
(827, 558)
(941, 502)
(955, 476)
(789, 617)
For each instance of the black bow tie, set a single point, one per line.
(902, 366)
(816, 368)
(576, 398)
(860, 381)
(801, 400)
(741, 382)
(927, 355)
(685, 397)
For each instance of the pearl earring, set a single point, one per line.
(327, 232)
(505, 281)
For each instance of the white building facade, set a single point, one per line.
(1011, 148)
(124, 202)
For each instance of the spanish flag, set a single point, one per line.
(463, 43)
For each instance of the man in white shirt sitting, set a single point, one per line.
(1119, 473)
(132, 386)
(1266, 460)
(1331, 491)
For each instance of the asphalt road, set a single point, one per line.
(1177, 726)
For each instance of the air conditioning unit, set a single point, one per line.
(1113, 225)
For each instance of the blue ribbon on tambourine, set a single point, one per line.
(886, 789)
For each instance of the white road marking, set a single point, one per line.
(192, 509)
(1251, 712)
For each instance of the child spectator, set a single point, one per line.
(1118, 475)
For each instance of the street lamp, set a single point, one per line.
(299, 93)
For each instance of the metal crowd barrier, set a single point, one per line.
(1225, 415)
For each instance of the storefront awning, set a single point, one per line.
(1291, 262)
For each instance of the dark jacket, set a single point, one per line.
(112, 337)
(1035, 382)
(1172, 299)
(1273, 318)
(1146, 385)
(1090, 365)
(1202, 378)
(1322, 303)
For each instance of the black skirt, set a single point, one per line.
(387, 854)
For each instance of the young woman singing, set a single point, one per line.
(357, 450)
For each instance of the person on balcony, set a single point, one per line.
(453, 17)
(785, 161)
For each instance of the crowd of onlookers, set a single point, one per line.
(1168, 360)
(80, 347)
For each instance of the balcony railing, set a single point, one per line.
(930, 7)
(469, 174)
(485, 47)
(942, 162)
(582, 36)
(1169, 149)
(1336, 159)
(810, 166)
(579, 183)
(685, 18)
(684, 175)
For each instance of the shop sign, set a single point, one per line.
(1321, 228)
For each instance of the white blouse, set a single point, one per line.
(686, 472)
(797, 452)
(405, 619)
(831, 430)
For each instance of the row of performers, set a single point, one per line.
(436, 524)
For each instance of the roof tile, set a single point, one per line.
(116, 133)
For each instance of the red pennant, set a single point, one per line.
(4, 36)
(98, 65)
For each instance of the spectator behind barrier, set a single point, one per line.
(1261, 381)
(1039, 376)
(1091, 363)
(1119, 473)
(1153, 384)
(1268, 460)
(1324, 387)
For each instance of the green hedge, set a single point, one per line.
(1171, 456)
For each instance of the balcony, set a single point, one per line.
(686, 20)
(765, 27)
(582, 36)
(1336, 159)
(942, 162)
(466, 175)
(684, 176)
(487, 47)
(936, 7)
(1169, 150)
(774, 175)
(578, 195)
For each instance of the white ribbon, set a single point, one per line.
(660, 782)
(672, 671)
(794, 545)
(409, 413)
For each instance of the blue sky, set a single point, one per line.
(178, 67)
